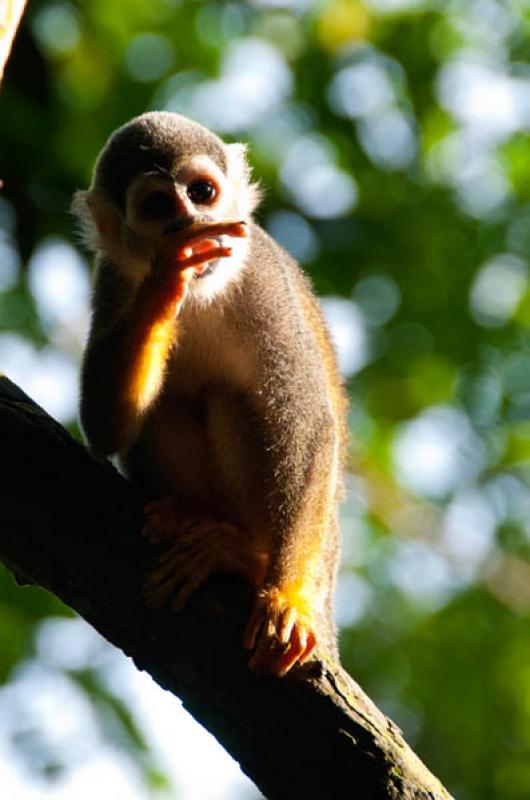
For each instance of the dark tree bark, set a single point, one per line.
(70, 523)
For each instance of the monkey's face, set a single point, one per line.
(160, 206)
(159, 178)
(166, 211)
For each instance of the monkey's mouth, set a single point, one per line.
(210, 269)
(210, 266)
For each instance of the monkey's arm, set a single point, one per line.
(125, 357)
(133, 330)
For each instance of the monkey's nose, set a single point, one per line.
(178, 225)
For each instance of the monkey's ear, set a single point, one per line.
(99, 220)
(240, 176)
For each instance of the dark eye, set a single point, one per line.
(201, 192)
(157, 205)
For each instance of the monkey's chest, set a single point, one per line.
(210, 354)
(197, 434)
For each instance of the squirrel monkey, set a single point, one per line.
(209, 373)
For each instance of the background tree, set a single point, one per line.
(392, 141)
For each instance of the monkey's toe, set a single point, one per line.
(276, 658)
(175, 575)
(280, 632)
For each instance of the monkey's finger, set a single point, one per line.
(193, 247)
(155, 584)
(266, 654)
(163, 581)
(285, 627)
(182, 596)
(159, 531)
(254, 624)
(292, 655)
(153, 534)
(160, 504)
(160, 525)
(174, 555)
(235, 229)
(156, 534)
(155, 594)
(239, 229)
(181, 561)
(165, 563)
(299, 639)
(181, 541)
(311, 644)
(173, 563)
(271, 628)
(196, 538)
(202, 258)
(285, 662)
(166, 519)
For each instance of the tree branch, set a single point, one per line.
(70, 523)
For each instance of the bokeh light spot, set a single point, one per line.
(437, 451)
(149, 56)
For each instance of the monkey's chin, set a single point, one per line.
(210, 269)
(214, 277)
(211, 266)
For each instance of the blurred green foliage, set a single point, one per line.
(392, 141)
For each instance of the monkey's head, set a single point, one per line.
(156, 177)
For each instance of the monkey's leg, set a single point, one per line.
(281, 628)
(195, 549)
(288, 621)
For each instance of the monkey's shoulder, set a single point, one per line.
(280, 299)
(288, 310)
(273, 284)
(270, 259)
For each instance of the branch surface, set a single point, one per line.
(70, 523)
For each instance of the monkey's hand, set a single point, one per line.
(194, 549)
(188, 254)
(208, 231)
(281, 630)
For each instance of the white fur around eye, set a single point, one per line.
(202, 167)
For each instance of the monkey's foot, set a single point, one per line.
(165, 519)
(194, 550)
(281, 630)
(180, 569)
